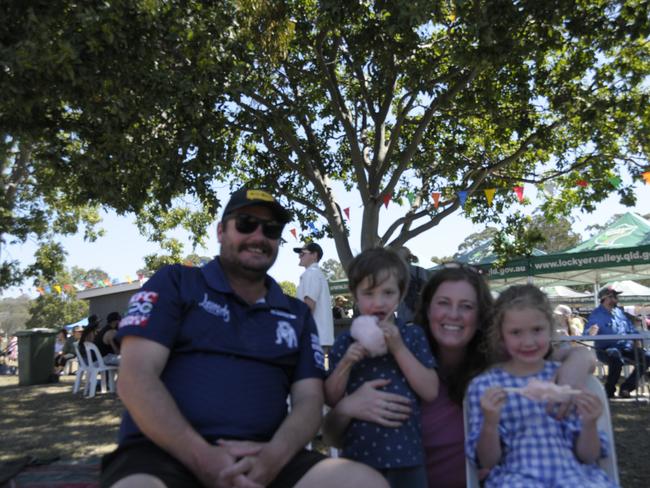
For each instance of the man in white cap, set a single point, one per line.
(314, 291)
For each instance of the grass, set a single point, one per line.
(48, 420)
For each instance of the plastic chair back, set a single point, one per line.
(97, 369)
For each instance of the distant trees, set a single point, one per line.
(14, 314)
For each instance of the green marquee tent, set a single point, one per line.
(619, 252)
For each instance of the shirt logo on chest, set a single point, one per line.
(215, 309)
(285, 333)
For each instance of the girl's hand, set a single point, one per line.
(355, 353)
(588, 406)
(492, 402)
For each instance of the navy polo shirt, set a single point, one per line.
(231, 364)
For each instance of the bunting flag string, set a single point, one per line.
(519, 190)
(436, 199)
(489, 195)
(615, 181)
(410, 196)
(387, 199)
(462, 196)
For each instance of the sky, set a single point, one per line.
(121, 251)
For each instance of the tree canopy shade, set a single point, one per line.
(137, 105)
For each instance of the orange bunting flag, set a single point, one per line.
(387, 199)
(346, 211)
(107, 282)
(436, 199)
(582, 183)
(293, 233)
(519, 190)
(40, 290)
(646, 177)
(489, 194)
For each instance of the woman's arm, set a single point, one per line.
(578, 363)
(368, 403)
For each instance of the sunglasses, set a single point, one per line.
(467, 267)
(247, 224)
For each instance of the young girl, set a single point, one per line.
(513, 436)
(378, 279)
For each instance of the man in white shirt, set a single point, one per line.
(314, 291)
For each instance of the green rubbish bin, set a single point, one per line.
(35, 356)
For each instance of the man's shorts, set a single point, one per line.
(144, 457)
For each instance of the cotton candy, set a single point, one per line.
(365, 330)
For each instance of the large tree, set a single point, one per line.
(136, 105)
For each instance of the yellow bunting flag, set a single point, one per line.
(489, 194)
(57, 288)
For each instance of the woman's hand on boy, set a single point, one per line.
(371, 404)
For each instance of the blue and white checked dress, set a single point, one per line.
(537, 449)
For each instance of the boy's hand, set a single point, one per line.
(588, 406)
(492, 402)
(355, 353)
(392, 336)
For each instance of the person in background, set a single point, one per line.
(63, 350)
(340, 310)
(455, 307)
(209, 357)
(105, 339)
(607, 319)
(512, 435)
(418, 277)
(563, 316)
(314, 291)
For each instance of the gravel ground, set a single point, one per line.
(48, 420)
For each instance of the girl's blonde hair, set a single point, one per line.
(515, 297)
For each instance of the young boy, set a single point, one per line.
(378, 279)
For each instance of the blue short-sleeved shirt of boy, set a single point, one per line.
(373, 444)
(231, 364)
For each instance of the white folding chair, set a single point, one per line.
(608, 464)
(97, 369)
(82, 370)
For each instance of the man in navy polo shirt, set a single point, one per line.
(209, 357)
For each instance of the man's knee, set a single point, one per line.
(139, 481)
(342, 473)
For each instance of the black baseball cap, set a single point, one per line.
(311, 247)
(245, 197)
(113, 316)
(607, 291)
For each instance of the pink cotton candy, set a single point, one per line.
(365, 330)
(545, 391)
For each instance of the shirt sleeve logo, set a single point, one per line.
(286, 333)
(140, 307)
